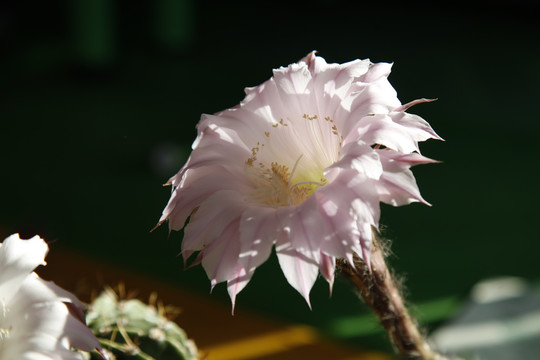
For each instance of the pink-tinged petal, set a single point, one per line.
(186, 254)
(18, 258)
(293, 80)
(381, 129)
(377, 72)
(262, 107)
(247, 122)
(238, 282)
(198, 233)
(327, 267)
(350, 225)
(310, 59)
(400, 188)
(418, 128)
(398, 185)
(412, 159)
(220, 258)
(212, 155)
(292, 87)
(259, 231)
(332, 82)
(366, 238)
(359, 157)
(406, 106)
(394, 129)
(361, 197)
(374, 89)
(299, 268)
(219, 129)
(303, 225)
(194, 191)
(341, 234)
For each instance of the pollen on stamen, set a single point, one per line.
(249, 161)
(274, 187)
(307, 117)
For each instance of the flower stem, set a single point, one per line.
(378, 289)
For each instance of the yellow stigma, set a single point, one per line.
(274, 186)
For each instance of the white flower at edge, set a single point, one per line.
(301, 164)
(38, 319)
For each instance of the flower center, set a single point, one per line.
(307, 145)
(275, 188)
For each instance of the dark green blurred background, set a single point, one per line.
(100, 100)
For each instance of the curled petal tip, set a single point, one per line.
(414, 102)
(330, 288)
(308, 301)
(157, 225)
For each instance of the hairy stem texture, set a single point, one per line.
(378, 289)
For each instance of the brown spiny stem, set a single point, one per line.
(378, 289)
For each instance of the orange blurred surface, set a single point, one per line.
(218, 334)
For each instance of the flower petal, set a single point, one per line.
(398, 185)
(220, 258)
(197, 187)
(359, 157)
(259, 231)
(42, 325)
(350, 221)
(18, 258)
(327, 267)
(300, 269)
(198, 233)
(302, 225)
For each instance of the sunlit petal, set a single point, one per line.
(38, 319)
